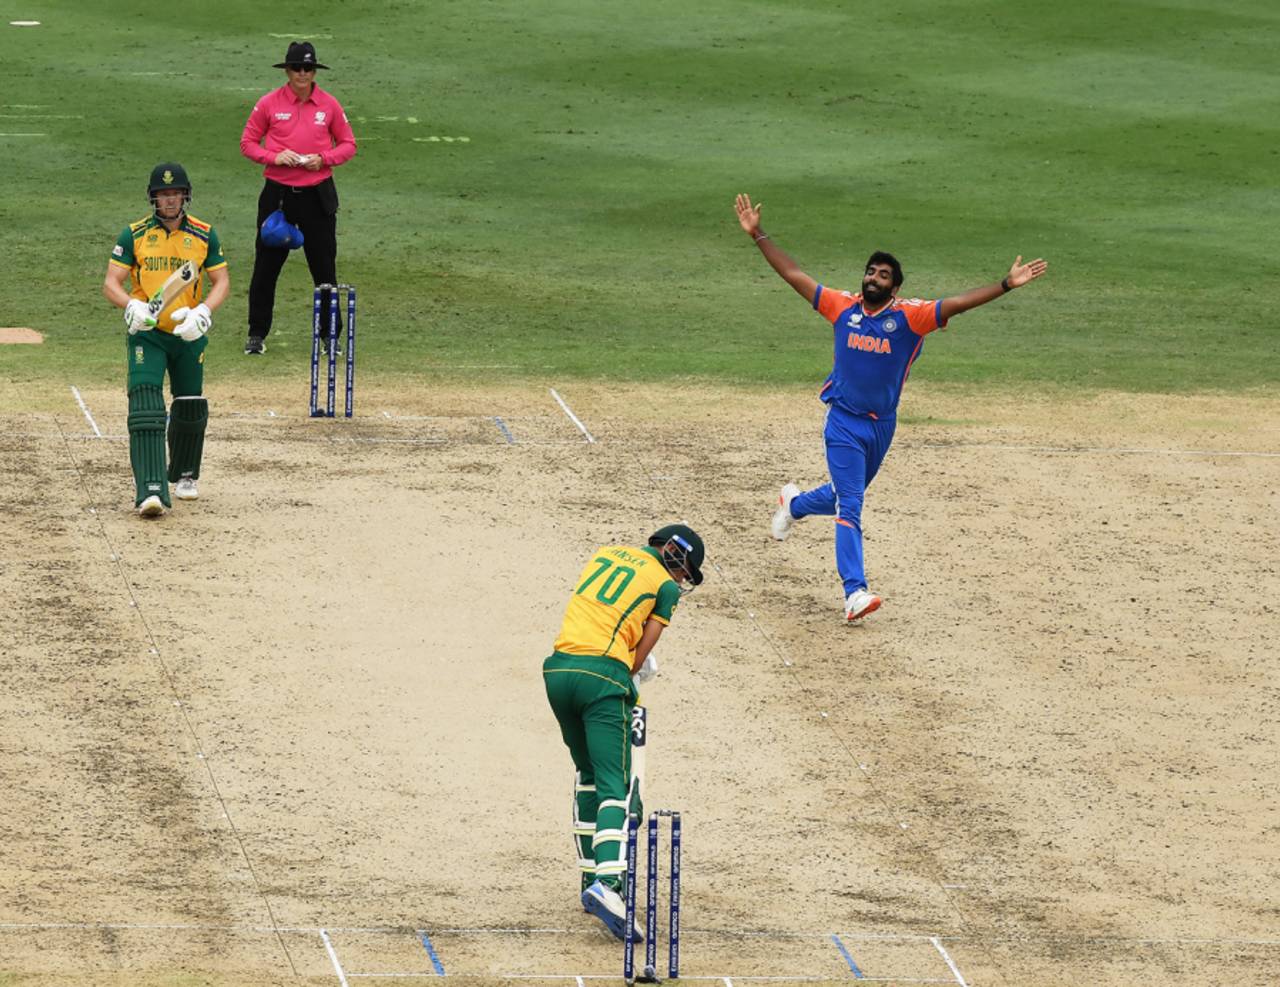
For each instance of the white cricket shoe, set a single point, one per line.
(153, 506)
(860, 603)
(185, 489)
(607, 905)
(782, 519)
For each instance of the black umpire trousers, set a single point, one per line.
(313, 210)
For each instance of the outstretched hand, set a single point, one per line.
(748, 215)
(1021, 273)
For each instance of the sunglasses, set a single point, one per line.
(298, 67)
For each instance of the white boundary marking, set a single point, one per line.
(583, 427)
(937, 944)
(85, 408)
(333, 957)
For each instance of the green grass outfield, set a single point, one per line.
(585, 227)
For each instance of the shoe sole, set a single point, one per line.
(871, 607)
(154, 510)
(616, 925)
(187, 496)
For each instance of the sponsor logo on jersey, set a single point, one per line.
(284, 115)
(117, 251)
(868, 344)
(855, 318)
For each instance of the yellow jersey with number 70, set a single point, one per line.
(618, 590)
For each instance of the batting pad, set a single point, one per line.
(188, 419)
(146, 442)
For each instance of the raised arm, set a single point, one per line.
(789, 270)
(1019, 274)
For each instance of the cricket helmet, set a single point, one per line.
(167, 175)
(680, 548)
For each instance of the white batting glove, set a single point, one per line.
(192, 323)
(138, 317)
(648, 670)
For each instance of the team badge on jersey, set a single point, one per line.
(890, 325)
(320, 117)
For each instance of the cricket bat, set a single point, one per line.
(171, 288)
(639, 738)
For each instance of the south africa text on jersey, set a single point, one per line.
(162, 263)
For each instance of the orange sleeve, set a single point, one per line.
(922, 316)
(830, 303)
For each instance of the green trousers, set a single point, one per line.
(592, 698)
(153, 352)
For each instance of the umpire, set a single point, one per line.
(300, 133)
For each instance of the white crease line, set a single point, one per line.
(572, 415)
(24, 135)
(85, 409)
(937, 943)
(711, 933)
(1095, 450)
(333, 957)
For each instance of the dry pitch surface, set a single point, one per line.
(295, 731)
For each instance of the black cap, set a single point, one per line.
(300, 53)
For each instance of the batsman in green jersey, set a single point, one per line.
(164, 257)
(624, 599)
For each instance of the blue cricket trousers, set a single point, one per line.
(856, 446)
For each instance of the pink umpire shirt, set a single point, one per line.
(315, 125)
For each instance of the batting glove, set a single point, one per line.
(138, 317)
(192, 323)
(648, 670)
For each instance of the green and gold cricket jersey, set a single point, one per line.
(151, 253)
(618, 590)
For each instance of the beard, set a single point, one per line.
(874, 293)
